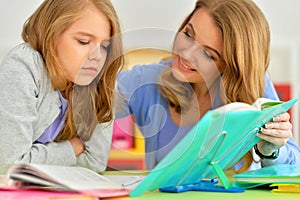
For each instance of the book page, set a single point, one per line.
(263, 103)
(259, 104)
(236, 106)
(75, 178)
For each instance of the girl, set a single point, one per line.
(57, 96)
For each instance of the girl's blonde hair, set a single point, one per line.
(246, 40)
(95, 103)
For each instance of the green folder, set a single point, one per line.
(280, 173)
(214, 144)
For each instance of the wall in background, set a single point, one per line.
(13, 13)
(157, 14)
(160, 18)
(285, 50)
(156, 20)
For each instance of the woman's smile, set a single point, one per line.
(185, 66)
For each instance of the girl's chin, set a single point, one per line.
(83, 81)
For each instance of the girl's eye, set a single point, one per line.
(83, 42)
(105, 47)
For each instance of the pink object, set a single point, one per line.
(123, 133)
(9, 193)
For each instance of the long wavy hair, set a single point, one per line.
(246, 40)
(94, 103)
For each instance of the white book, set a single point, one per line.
(63, 178)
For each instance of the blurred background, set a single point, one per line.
(144, 20)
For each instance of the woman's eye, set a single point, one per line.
(208, 55)
(187, 34)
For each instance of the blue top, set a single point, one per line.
(141, 97)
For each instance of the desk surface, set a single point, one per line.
(253, 194)
(249, 194)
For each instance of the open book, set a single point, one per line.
(259, 104)
(63, 178)
(217, 142)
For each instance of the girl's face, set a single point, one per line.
(83, 47)
(198, 50)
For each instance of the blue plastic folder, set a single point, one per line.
(204, 185)
(215, 143)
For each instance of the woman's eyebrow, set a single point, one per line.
(212, 49)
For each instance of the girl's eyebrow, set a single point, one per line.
(84, 33)
(194, 33)
(107, 41)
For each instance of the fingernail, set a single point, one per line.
(266, 131)
(268, 125)
(277, 118)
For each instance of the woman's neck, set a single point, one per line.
(200, 103)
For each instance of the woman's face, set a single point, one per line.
(82, 48)
(198, 50)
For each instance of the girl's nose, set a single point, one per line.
(95, 54)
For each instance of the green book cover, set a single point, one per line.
(215, 143)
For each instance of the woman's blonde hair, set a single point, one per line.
(246, 40)
(95, 104)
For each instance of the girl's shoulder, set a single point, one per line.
(23, 50)
(24, 64)
(24, 54)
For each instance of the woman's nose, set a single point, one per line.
(191, 52)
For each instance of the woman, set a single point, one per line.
(220, 55)
(57, 96)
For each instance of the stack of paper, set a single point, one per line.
(286, 177)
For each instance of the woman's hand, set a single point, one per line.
(275, 134)
(77, 145)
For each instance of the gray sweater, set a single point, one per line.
(28, 105)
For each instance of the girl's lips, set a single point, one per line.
(184, 66)
(90, 70)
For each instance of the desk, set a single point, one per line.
(253, 194)
(249, 194)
